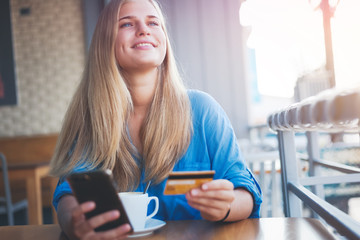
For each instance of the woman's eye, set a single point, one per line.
(125, 25)
(153, 23)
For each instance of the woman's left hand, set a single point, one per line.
(212, 199)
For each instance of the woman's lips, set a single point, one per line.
(144, 45)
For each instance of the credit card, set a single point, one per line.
(182, 182)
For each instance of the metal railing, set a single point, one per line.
(331, 111)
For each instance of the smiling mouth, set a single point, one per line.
(143, 45)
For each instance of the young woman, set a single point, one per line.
(132, 114)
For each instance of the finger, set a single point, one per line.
(210, 213)
(217, 185)
(103, 218)
(78, 212)
(88, 206)
(81, 225)
(203, 205)
(82, 229)
(86, 228)
(222, 195)
(83, 208)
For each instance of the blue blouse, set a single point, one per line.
(213, 147)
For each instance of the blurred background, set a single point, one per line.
(254, 57)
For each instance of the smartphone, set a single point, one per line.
(98, 186)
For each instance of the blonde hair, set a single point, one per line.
(94, 132)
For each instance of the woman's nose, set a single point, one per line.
(143, 30)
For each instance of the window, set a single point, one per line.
(287, 42)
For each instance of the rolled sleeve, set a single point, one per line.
(63, 188)
(246, 180)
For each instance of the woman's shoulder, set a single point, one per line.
(200, 98)
(203, 104)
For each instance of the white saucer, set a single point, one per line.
(150, 226)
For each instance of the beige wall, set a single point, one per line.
(49, 57)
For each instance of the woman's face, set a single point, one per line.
(141, 41)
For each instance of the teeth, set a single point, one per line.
(143, 44)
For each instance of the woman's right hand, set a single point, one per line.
(72, 219)
(85, 228)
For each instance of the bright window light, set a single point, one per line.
(288, 39)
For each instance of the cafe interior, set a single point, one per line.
(285, 72)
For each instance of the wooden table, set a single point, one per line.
(249, 229)
(32, 173)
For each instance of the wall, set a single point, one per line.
(49, 55)
(208, 41)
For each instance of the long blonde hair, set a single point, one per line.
(94, 132)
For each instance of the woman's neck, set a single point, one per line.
(142, 89)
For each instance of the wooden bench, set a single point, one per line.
(29, 150)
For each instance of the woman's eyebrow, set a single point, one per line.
(132, 17)
(126, 17)
(152, 16)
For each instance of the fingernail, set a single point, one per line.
(126, 227)
(91, 204)
(115, 213)
(205, 187)
(194, 192)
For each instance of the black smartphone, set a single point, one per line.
(98, 186)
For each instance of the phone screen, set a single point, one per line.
(98, 186)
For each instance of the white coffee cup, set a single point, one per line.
(136, 206)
